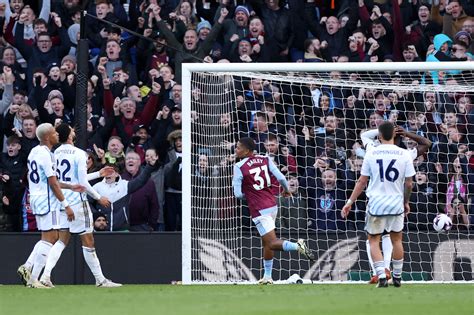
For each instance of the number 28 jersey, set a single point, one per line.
(253, 175)
(387, 166)
(41, 165)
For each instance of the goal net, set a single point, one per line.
(314, 121)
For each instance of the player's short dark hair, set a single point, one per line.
(63, 130)
(248, 143)
(386, 130)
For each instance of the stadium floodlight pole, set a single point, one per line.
(80, 107)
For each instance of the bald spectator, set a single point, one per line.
(143, 205)
(329, 31)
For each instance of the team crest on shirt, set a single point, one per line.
(326, 202)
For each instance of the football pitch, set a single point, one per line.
(240, 299)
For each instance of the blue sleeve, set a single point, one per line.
(278, 175)
(237, 183)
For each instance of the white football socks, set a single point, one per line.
(92, 261)
(397, 268)
(387, 249)
(371, 262)
(31, 259)
(53, 258)
(379, 267)
(40, 259)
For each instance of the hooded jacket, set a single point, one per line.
(437, 55)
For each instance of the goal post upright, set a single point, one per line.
(188, 69)
(186, 242)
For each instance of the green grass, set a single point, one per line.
(240, 299)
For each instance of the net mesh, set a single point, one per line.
(310, 124)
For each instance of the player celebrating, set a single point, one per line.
(390, 169)
(45, 206)
(72, 168)
(369, 140)
(252, 182)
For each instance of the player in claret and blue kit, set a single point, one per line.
(252, 182)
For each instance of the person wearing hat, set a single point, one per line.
(203, 29)
(236, 28)
(140, 140)
(191, 45)
(12, 167)
(101, 224)
(464, 36)
(54, 75)
(152, 55)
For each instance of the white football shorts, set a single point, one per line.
(266, 221)
(82, 223)
(48, 221)
(377, 225)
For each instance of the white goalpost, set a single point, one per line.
(308, 117)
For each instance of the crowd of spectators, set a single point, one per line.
(313, 132)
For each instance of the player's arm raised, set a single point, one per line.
(368, 137)
(56, 188)
(358, 189)
(237, 183)
(424, 144)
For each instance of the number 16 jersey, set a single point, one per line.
(387, 166)
(41, 165)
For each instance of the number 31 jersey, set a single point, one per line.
(254, 175)
(71, 163)
(387, 166)
(41, 165)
